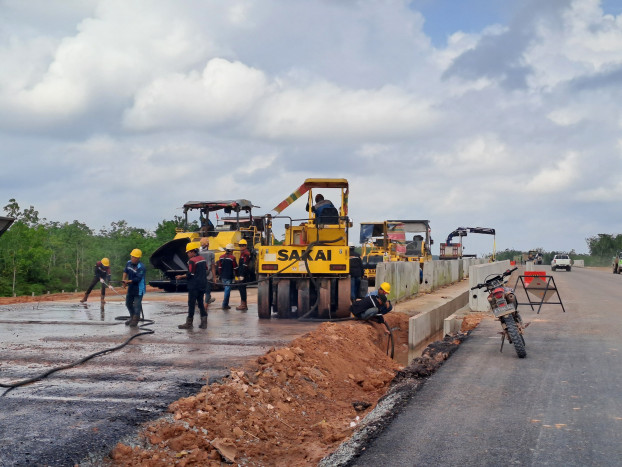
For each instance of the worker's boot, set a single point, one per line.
(134, 321)
(85, 298)
(188, 324)
(203, 324)
(242, 307)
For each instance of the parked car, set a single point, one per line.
(561, 261)
(617, 263)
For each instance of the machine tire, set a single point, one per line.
(553, 268)
(304, 297)
(263, 298)
(515, 336)
(283, 305)
(344, 290)
(568, 269)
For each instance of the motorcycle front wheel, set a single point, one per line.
(515, 336)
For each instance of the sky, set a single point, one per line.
(472, 113)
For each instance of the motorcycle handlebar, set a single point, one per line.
(506, 273)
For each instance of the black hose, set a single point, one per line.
(148, 322)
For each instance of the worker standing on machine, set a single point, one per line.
(227, 270)
(196, 278)
(134, 280)
(244, 272)
(101, 274)
(374, 304)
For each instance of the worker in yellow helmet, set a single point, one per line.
(374, 305)
(101, 274)
(134, 280)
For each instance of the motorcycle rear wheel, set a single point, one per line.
(515, 336)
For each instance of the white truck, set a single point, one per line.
(561, 261)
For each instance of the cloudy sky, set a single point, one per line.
(467, 113)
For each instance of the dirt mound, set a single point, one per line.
(291, 406)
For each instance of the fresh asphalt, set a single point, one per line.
(77, 416)
(562, 405)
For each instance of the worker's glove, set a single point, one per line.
(102, 281)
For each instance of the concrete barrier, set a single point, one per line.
(477, 274)
(425, 325)
(578, 263)
(403, 277)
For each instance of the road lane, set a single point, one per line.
(561, 405)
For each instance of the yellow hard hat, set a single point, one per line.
(386, 287)
(192, 246)
(242, 242)
(136, 253)
(106, 262)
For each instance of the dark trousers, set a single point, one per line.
(196, 297)
(208, 291)
(356, 287)
(134, 304)
(93, 284)
(242, 287)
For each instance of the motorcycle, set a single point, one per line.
(504, 306)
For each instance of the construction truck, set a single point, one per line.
(418, 249)
(5, 223)
(236, 224)
(307, 276)
(452, 250)
(380, 242)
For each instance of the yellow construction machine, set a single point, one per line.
(307, 276)
(236, 224)
(381, 242)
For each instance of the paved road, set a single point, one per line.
(562, 405)
(86, 410)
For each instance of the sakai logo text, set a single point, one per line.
(319, 255)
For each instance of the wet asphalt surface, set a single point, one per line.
(79, 414)
(560, 406)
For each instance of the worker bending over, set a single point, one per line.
(101, 274)
(374, 305)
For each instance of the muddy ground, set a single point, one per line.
(292, 406)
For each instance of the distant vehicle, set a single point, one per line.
(561, 261)
(537, 258)
(617, 263)
(450, 250)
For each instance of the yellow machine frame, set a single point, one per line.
(314, 255)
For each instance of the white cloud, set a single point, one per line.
(130, 100)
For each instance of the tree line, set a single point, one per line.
(39, 256)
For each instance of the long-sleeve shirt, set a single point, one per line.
(197, 273)
(136, 274)
(227, 266)
(244, 269)
(102, 272)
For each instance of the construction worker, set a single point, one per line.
(374, 304)
(244, 272)
(210, 263)
(320, 205)
(196, 278)
(101, 274)
(134, 280)
(227, 270)
(356, 272)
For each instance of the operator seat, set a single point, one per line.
(329, 215)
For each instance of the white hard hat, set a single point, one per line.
(230, 247)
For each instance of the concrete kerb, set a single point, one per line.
(404, 280)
